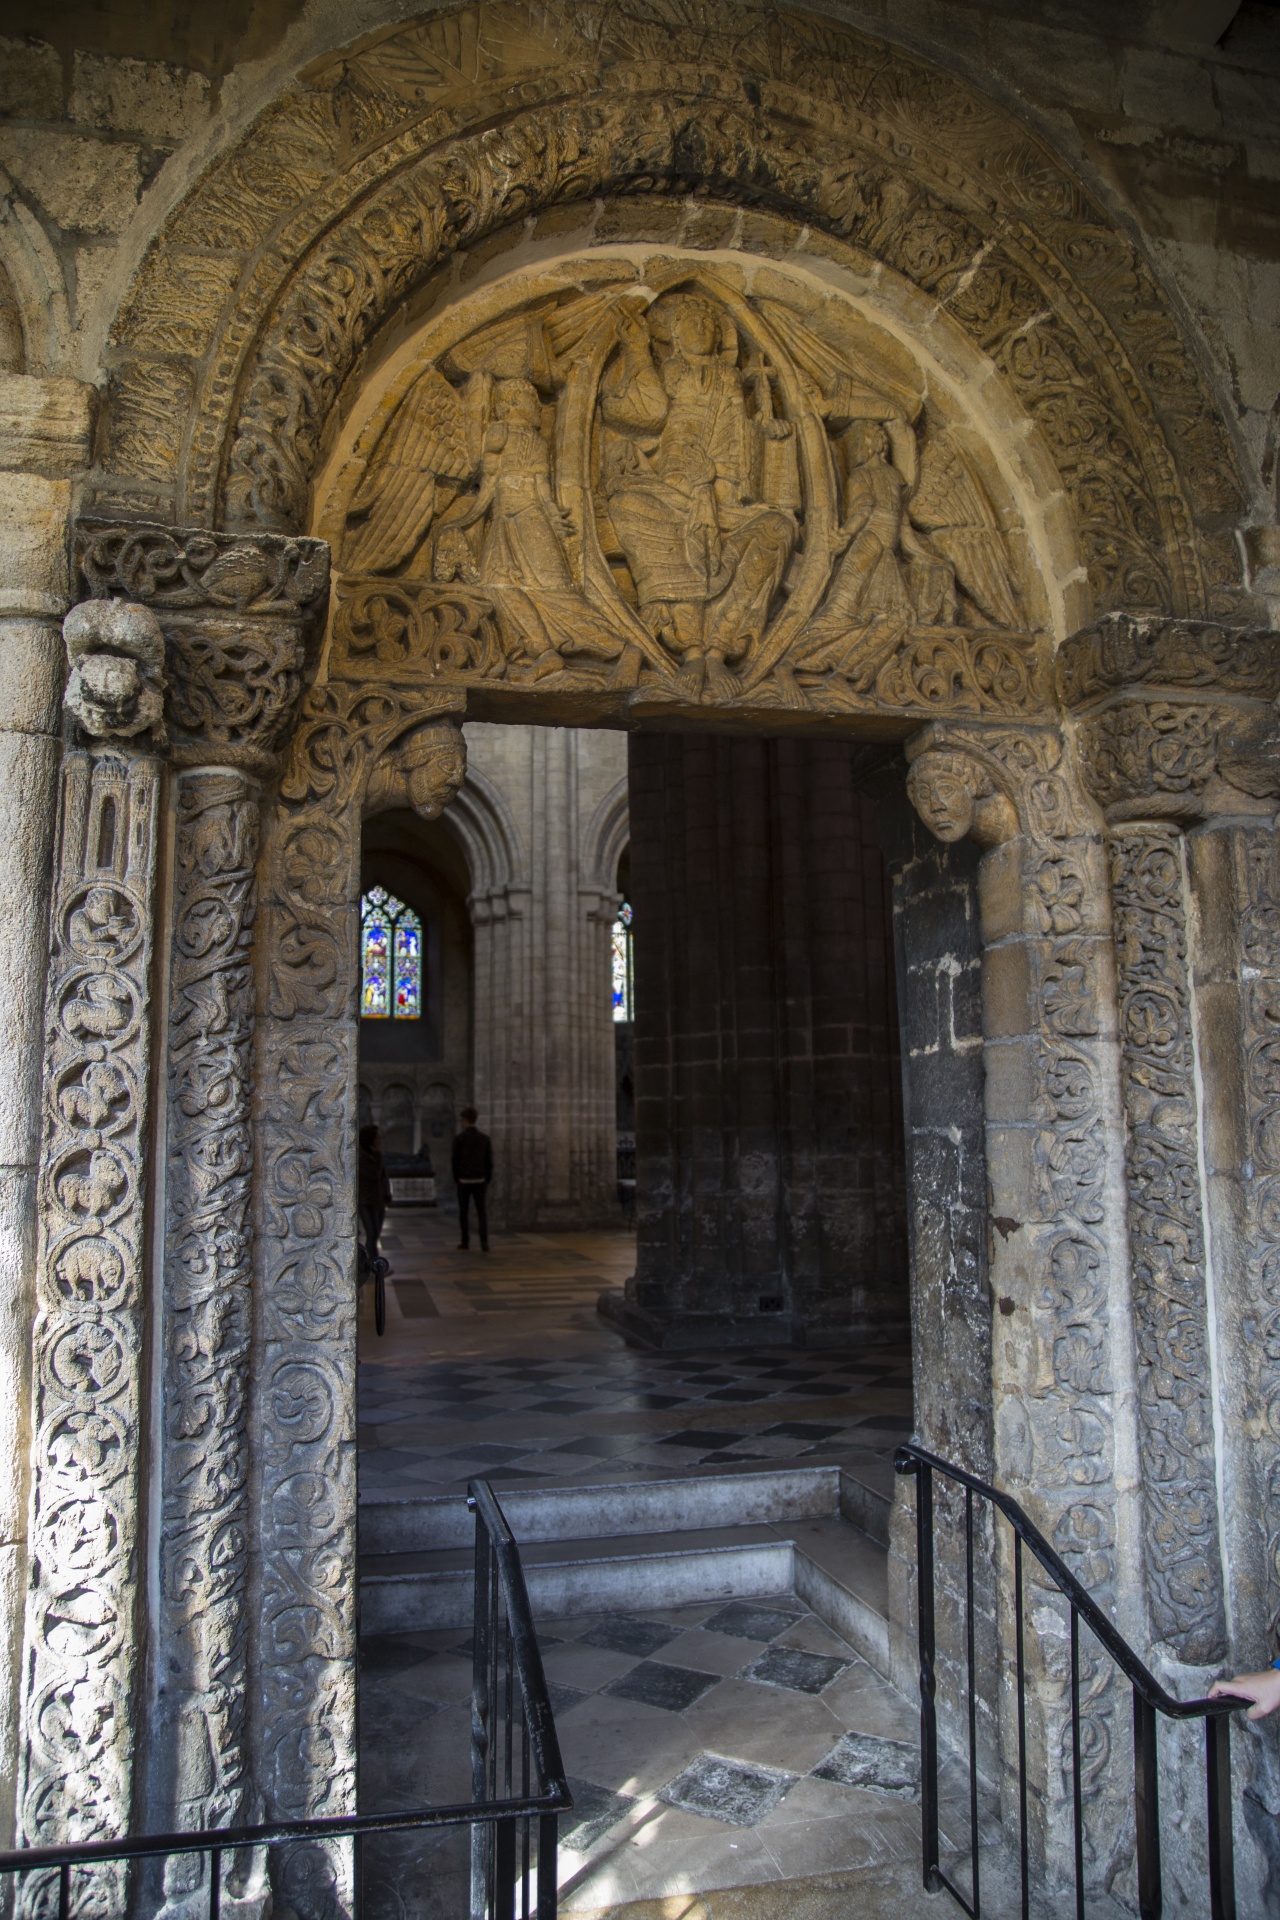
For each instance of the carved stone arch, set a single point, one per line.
(607, 834)
(39, 294)
(387, 160)
(491, 840)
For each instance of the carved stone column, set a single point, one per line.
(1063, 1382)
(236, 616)
(81, 1645)
(302, 1576)
(1177, 730)
(45, 427)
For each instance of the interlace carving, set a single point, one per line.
(236, 613)
(1167, 1248)
(81, 1648)
(304, 1389)
(202, 1765)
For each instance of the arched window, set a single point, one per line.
(390, 958)
(623, 978)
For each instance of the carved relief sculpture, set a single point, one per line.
(683, 493)
(351, 742)
(81, 1648)
(237, 618)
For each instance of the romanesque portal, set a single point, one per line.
(731, 380)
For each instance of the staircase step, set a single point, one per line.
(863, 1494)
(831, 1565)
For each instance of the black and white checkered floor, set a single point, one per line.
(555, 1397)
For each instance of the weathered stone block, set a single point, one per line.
(1057, 68)
(1006, 992)
(30, 80)
(45, 426)
(1169, 90)
(86, 185)
(146, 97)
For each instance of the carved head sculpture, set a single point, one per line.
(864, 440)
(688, 323)
(955, 796)
(424, 772)
(116, 652)
(517, 400)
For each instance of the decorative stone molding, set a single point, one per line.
(237, 613)
(116, 653)
(201, 1766)
(81, 1645)
(1054, 1165)
(302, 1594)
(1176, 719)
(384, 164)
(1167, 1245)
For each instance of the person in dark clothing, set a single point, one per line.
(374, 1189)
(472, 1172)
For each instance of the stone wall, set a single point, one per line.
(770, 1201)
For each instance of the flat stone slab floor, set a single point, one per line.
(727, 1744)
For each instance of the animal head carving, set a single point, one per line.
(116, 652)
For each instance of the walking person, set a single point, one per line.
(472, 1172)
(374, 1189)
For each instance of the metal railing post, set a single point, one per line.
(928, 1680)
(1146, 1808)
(1217, 1767)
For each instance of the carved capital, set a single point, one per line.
(116, 686)
(956, 798)
(238, 616)
(1180, 760)
(424, 771)
(1152, 651)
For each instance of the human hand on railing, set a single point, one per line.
(1262, 1688)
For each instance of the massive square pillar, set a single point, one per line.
(770, 1192)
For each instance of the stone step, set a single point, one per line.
(781, 1532)
(862, 1494)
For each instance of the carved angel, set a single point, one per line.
(433, 439)
(957, 524)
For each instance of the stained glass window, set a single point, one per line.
(390, 958)
(623, 980)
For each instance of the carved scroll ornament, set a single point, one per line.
(81, 1654)
(1052, 1163)
(685, 495)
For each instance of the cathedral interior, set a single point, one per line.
(699, 582)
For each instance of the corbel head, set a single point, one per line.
(424, 771)
(116, 653)
(956, 798)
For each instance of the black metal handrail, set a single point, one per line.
(1149, 1699)
(509, 1698)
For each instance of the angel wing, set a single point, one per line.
(426, 440)
(950, 508)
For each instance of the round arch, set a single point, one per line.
(357, 190)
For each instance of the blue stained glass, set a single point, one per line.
(621, 967)
(390, 958)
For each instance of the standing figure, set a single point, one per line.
(472, 1172)
(524, 562)
(374, 1189)
(706, 559)
(868, 587)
